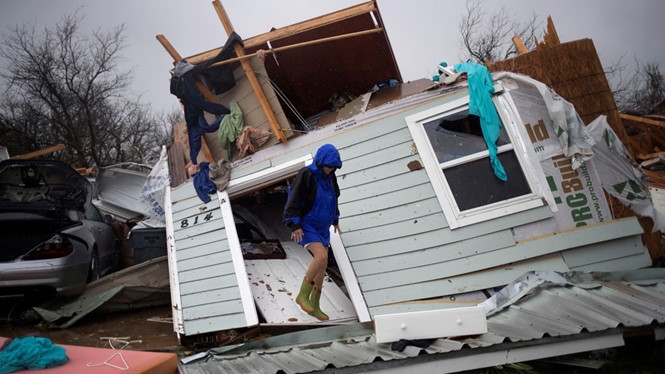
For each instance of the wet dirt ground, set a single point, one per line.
(148, 329)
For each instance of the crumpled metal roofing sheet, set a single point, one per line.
(580, 305)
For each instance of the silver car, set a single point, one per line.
(53, 240)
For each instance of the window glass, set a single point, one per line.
(456, 158)
(458, 135)
(474, 184)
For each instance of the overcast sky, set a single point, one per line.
(422, 32)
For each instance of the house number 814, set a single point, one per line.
(185, 222)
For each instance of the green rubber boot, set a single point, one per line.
(314, 301)
(303, 296)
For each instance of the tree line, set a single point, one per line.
(64, 86)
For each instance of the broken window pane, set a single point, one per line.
(474, 184)
(458, 135)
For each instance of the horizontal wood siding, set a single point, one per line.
(393, 229)
(399, 243)
(209, 295)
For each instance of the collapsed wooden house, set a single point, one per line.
(429, 231)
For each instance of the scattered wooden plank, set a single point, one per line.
(249, 73)
(642, 120)
(41, 152)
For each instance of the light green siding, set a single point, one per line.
(209, 295)
(399, 243)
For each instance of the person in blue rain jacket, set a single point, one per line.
(311, 209)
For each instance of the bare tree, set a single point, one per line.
(489, 37)
(640, 93)
(65, 86)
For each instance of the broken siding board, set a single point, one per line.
(585, 235)
(636, 261)
(221, 281)
(593, 253)
(383, 185)
(561, 241)
(191, 243)
(389, 173)
(390, 199)
(421, 257)
(214, 263)
(389, 152)
(211, 297)
(443, 236)
(384, 233)
(370, 139)
(201, 326)
(222, 286)
(383, 301)
(197, 250)
(407, 211)
(213, 310)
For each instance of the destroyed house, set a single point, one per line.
(427, 224)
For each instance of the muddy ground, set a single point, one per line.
(152, 326)
(150, 329)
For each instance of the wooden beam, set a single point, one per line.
(643, 157)
(41, 152)
(261, 40)
(302, 44)
(642, 120)
(519, 45)
(249, 73)
(169, 48)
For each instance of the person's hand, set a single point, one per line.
(337, 229)
(296, 235)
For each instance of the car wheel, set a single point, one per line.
(95, 272)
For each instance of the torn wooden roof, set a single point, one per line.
(325, 62)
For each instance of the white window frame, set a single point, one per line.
(456, 218)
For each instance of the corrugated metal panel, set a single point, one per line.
(573, 310)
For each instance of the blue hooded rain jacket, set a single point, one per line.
(312, 198)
